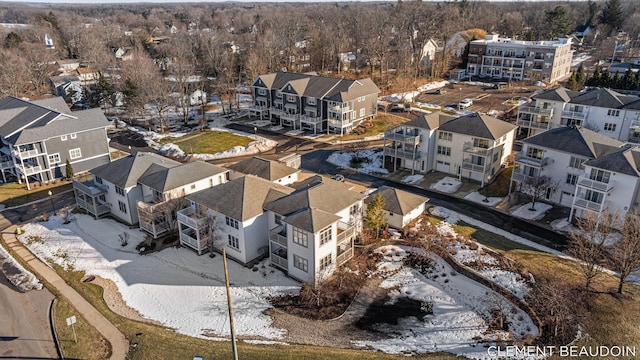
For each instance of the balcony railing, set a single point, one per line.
(339, 123)
(287, 116)
(259, 107)
(533, 124)
(345, 232)
(279, 261)
(191, 218)
(522, 178)
(471, 148)
(339, 108)
(534, 110)
(400, 136)
(193, 243)
(25, 153)
(589, 205)
(390, 151)
(94, 208)
(276, 111)
(6, 164)
(585, 182)
(155, 228)
(277, 236)
(468, 165)
(29, 170)
(344, 257)
(524, 159)
(574, 114)
(89, 187)
(310, 119)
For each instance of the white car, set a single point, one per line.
(465, 103)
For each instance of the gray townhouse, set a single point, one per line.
(314, 103)
(38, 137)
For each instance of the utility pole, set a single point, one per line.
(234, 349)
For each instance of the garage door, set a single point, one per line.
(443, 166)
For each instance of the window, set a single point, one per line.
(291, 98)
(481, 143)
(119, 191)
(300, 237)
(325, 235)
(63, 138)
(301, 263)
(577, 163)
(75, 153)
(122, 206)
(278, 219)
(325, 262)
(445, 135)
(611, 112)
(278, 93)
(495, 157)
(311, 101)
(73, 136)
(572, 179)
(593, 196)
(443, 150)
(362, 112)
(54, 158)
(233, 242)
(600, 175)
(231, 222)
(535, 153)
(97, 179)
(262, 92)
(354, 210)
(360, 98)
(610, 127)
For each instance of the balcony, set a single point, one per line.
(522, 178)
(534, 110)
(396, 152)
(191, 218)
(472, 148)
(344, 256)
(286, 116)
(186, 238)
(343, 108)
(92, 206)
(278, 236)
(533, 124)
(310, 119)
(402, 137)
(280, 261)
(259, 107)
(574, 114)
(25, 153)
(524, 159)
(468, 165)
(587, 183)
(29, 169)
(345, 232)
(276, 111)
(7, 164)
(588, 205)
(339, 123)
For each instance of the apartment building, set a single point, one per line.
(314, 103)
(602, 110)
(38, 137)
(473, 146)
(504, 58)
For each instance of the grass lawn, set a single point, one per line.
(487, 238)
(14, 194)
(117, 154)
(207, 142)
(87, 335)
(381, 123)
(500, 186)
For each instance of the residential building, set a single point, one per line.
(428, 53)
(602, 110)
(400, 207)
(473, 146)
(230, 215)
(312, 230)
(38, 137)
(504, 58)
(315, 103)
(114, 187)
(559, 154)
(267, 169)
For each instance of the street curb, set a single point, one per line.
(53, 330)
(35, 201)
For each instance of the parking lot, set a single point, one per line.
(484, 99)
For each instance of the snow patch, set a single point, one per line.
(526, 211)
(412, 179)
(447, 185)
(374, 156)
(481, 199)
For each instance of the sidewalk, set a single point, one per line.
(119, 344)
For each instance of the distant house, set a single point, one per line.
(400, 207)
(351, 60)
(122, 54)
(48, 42)
(69, 87)
(197, 97)
(38, 137)
(428, 53)
(68, 65)
(267, 169)
(86, 74)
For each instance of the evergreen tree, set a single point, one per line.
(374, 217)
(612, 14)
(594, 80)
(557, 21)
(593, 10)
(572, 83)
(580, 76)
(628, 80)
(69, 170)
(615, 82)
(13, 39)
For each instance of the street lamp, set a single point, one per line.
(51, 198)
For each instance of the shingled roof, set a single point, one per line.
(478, 125)
(575, 140)
(625, 161)
(312, 220)
(242, 198)
(166, 179)
(398, 201)
(125, 172)
(429, 121)
(266, 169)
(558, 94)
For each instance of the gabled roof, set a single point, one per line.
(266, 169)
(558, 94)
(17, 114)
(398, 201)
(329, 196)
(601, 97)
(429, 121)
(81, 121)
(573, 140)
(125, 172)
(478, 125)
(242, 198)
(312, 220)
(166, 179)
(347, 90)
(625, 161)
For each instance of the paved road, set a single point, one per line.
(24, 323)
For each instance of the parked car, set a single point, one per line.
(338, 177)
(441, 91)
(465, 103)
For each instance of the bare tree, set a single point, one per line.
(588, 243)
(536, 187)
(556, 307)
(624, 256)
(12, 70)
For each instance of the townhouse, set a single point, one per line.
(38, 137)
(314, 103)
(504, 58)
(473, 146)
(602, 110)
(560, 154)
(271, 170)
(400, 207)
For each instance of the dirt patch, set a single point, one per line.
(383, 311)
(113, 299)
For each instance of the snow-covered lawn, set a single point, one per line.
(374, 166)
(16, 273)
(479, 198)
(447, 185)
(402, 97)
(525, 211)
(461, 311)
(412, 179)
(175, 286)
